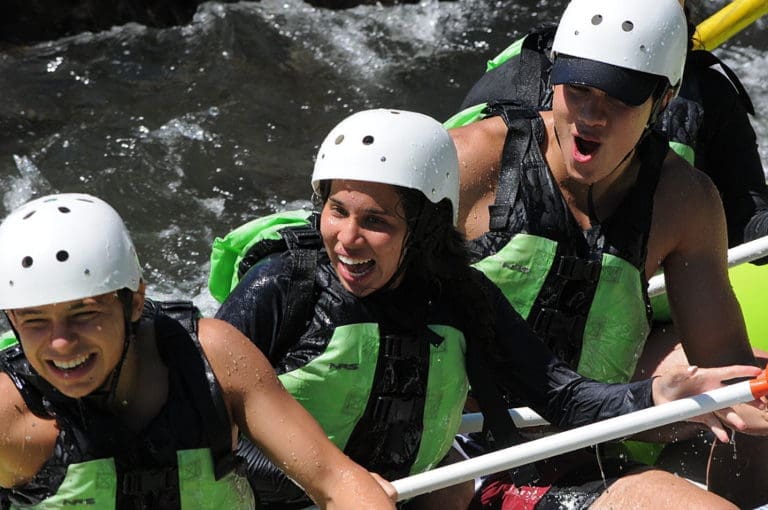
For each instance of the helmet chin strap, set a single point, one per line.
(114, 377)
(110, 393)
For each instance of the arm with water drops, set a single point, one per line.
(26, 441)
(281, 427)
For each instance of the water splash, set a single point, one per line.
(28, 184)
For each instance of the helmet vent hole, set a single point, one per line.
(28, 215)
(63, 209)
(62, 255)
(383, 159)
(367, 140)
(26, 262)
(87, 272)
(627, 26)
(10, 283)
(597, 19)
(339, 139)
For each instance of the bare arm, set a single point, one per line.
(689, 237)
(479, 146)
(281, 427)
(26, 441)
(689, 220)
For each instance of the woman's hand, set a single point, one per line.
(388, 487)
(687, 381)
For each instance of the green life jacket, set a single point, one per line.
(93, 484)
(7, 339)
(528, 84)
(613, 332)
(238, 251)
(347, 368)
(252, 243)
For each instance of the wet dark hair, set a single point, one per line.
(436, 253)
(433, 246)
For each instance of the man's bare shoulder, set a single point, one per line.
(683, 187)
(487, 133)
(687, 213)
(479, 147)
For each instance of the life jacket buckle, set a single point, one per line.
(394, 408)
(559, 328)
(575, 268)
(301, 237)
(149, 480)
(499, 216)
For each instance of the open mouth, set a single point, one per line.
(585, 147)
(357, 268)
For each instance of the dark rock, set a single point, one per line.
(30, 21)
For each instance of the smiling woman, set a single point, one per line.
(106, 385)
(364, 236)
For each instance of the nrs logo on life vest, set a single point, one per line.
(77, 502)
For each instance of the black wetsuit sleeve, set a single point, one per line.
(255, 306)
(726, 150)
(531, 374)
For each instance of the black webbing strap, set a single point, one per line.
(303, 243)
(176, 324)
(520, 136)
(499, 430)
(707, 59)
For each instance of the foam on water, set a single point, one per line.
(190, 131)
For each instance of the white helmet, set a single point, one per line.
(392, 147)
(64, 247)
(646, 36)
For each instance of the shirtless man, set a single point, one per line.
(572, 210)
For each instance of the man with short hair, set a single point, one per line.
(570, 211)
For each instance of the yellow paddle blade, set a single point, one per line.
(728, 21)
